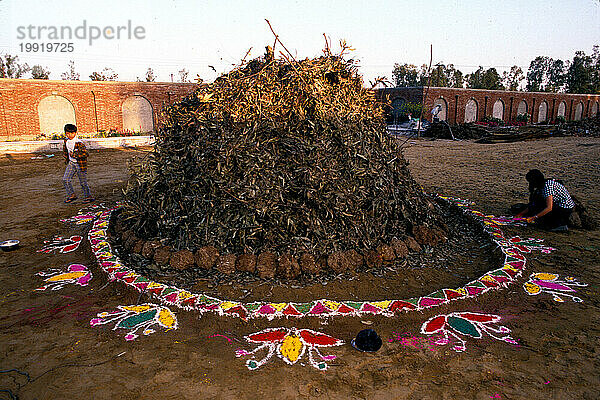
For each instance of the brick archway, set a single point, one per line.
(543, 111)
(522, 107)
(578, 111)
(471, 109)
(498, 109)
(443, 114)
(54, 112)
(594, 111)
(138, 115)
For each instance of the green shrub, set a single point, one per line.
(412, 108)
(400, 113)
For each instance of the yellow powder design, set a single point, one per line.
(545, 276)
(532, 288)
(66, 276)
(166, 318)
(291, 348)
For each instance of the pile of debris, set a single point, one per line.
(507, 134)
(279, 157)
(585, 127)
(441, 130)
(520, 133)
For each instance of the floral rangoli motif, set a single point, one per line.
(86, 215)
(61, 245)
(75, 274)
(469, 324)
(290, 344)
(137, 317)
(545, 282)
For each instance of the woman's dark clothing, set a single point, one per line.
(537, 202)
(559, 216)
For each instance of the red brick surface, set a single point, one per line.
(98, 105)
(457, 99)
(19, 99)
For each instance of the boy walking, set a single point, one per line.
(75, 154)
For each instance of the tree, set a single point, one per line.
(474, 79)
(484, 79)
(556, 76)
(439, 76)
(596, 71)
(423, 75)
(107, 74)
(406, 75)
(150, 75)
(536, 73)
(10, 67)
(446, 76)
(579, 78)
(70, 75)
(39, 72)
(455, 77)
(545, 74)
(491, 80)
(183, 75)
(512, 79)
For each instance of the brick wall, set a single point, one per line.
(98, 105)
(456, 101)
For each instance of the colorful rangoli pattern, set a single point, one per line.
(86, 215)
(545, 282)
(61, 245)
(512, 267)
(507, 220)
(290, 344)
(527, 245)
(137, 317)
(77, 274)
(469, 324)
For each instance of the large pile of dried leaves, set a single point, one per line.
(277, 155)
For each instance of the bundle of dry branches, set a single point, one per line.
(278, 155)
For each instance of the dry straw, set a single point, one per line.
(277, 155)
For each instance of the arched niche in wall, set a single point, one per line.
(562, 109)
(54, 112)
(137, 114)
(397, 108)
(543, 111)
(578, 111)
(471, 111)
(522, 108)
(443, 114)
(498, 109)
(594, 111)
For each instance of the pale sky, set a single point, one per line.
(196, 34)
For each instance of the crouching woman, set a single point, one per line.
(552, 206)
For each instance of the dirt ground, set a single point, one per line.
(48, 350)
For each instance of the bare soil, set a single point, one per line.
(48, 335)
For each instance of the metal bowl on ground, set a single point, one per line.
(9, 245)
